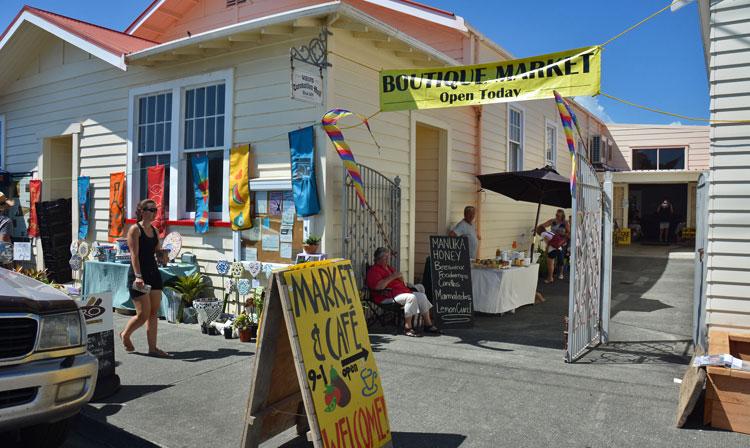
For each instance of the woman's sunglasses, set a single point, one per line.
(152, 210)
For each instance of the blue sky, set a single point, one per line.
(660, 64)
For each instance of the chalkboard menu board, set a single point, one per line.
(450, 274)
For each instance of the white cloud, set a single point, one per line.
(591, 103)
(676, 123)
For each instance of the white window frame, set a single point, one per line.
(177, 165)
(551, 125)
(522, 112)
(3, 139)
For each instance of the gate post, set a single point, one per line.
(608, 206)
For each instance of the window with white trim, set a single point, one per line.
(203, 134)
(153, 138)
(515, 139)
(173, 122)
(550, 153)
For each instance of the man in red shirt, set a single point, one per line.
(382, 276)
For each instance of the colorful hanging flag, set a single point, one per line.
(155, 178)
(304, 185)
(116, 206)
(200, 183)
(84, 206)
(342, 148)
(35, 196)
(566, 116)
(240, 206)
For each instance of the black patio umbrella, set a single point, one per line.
(540, 186)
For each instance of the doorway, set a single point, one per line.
(54, 212)
(57, 167)
(430, 201)
(644, 201)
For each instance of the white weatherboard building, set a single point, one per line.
(726, 25)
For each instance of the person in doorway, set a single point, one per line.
(557, 243)
(6, 230)
(664, 212)
(382, 276)
(466, 228)
(144, 279)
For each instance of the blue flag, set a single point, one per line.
(304, 187)
(84, 206)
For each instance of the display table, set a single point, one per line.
(503, 290)
(103, 276)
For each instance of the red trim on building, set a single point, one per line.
(428, 8)
(188, 223)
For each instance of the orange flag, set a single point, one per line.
(116, 205)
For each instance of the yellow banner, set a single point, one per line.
(240, 206)
(572, 73)
(339, 364)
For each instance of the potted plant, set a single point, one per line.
(312, 244)
(243, 324)
(190, 288)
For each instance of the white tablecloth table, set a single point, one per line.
(502, 290)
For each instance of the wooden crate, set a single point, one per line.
(727, 404)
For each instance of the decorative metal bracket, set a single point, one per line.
(315, 52)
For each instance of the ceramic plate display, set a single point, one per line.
(74, 247)
(75, 262)
(254, 268)
(222, 267)
(237, 269)
(83, 248)
(173, 242)
(243, 286)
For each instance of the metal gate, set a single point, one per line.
(699, 276)
(377, 225)
(585, 296)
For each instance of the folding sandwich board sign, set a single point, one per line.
(314, 366)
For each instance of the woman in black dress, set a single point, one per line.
(143, 241)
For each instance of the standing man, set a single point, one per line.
(6, 230)
(664, 212)
(466, 228)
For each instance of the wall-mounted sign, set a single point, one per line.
(307, 87)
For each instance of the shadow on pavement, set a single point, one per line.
(403, 439)
(202, 355)
(129, 392)
(640, 352)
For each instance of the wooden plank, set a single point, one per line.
(269, 344)
(690, 391)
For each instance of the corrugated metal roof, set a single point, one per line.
(115, 42)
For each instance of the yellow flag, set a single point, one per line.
(240, 207)
(572, 73)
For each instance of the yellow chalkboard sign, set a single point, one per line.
(339, 384)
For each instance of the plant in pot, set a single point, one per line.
(311, 244)
(244, 325)
(190, 288)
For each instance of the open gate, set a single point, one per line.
(588, 251)
(378, 225)
(699, 279)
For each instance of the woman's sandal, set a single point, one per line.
(128, 346)
(547, 282)
(433, 329)
(411, 333)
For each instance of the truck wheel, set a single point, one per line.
(46, 435)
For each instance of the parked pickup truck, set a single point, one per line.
(46, 374)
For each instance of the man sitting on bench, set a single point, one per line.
(387, 285)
